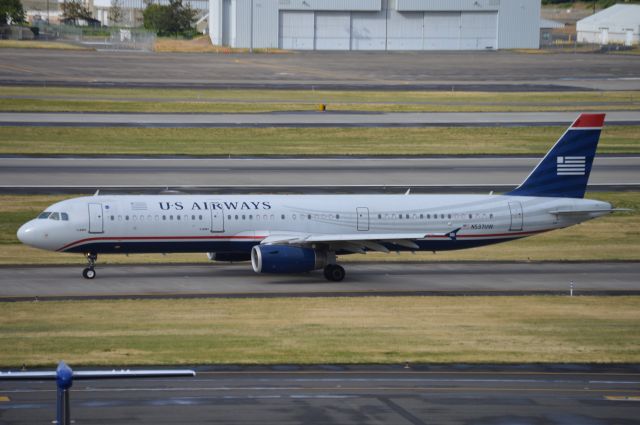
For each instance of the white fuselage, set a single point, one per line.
(234, 223)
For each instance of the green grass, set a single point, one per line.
(322, 330)
(299, 141)
(182, 100)
(614, 237)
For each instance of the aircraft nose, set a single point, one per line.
(26, 234)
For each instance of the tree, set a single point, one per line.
(115, 12)
(11, 12)
(72, 10)
(172, 19)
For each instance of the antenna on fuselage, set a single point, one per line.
(408, 191)
(97, 193)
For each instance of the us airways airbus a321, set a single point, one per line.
(302, 233)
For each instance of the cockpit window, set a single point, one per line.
(64, 216)
(54, 216)
(44, 215)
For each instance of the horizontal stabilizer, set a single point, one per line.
(581, 212)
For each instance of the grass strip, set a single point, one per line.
(299, 141)
(34, 44)
(338, 96)
(58, 99)
(322, 330)
(611, 238)
(52, 105)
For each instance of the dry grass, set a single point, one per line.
(181, 100)
(34, 44)
(316, 330)
(201, 44)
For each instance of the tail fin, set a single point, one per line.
(564, 171)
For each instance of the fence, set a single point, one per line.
(568, 41)
(101, 38)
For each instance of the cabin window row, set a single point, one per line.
(266, 217)
(435, 216)
(157, 218)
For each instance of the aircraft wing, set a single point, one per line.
(357, 242)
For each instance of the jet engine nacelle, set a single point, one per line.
(229, 256)
(286, 259)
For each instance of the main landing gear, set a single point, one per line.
(334, 273)
(89, 272)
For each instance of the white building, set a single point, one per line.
(375, 24)
(619, 24)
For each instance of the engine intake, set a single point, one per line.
(286, 259)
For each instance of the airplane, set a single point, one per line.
(302, 233)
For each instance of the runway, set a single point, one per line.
(305, 119)
(484, 71)
(291, 174)
(419, 395)
(363, 279)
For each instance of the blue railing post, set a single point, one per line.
(64, 381)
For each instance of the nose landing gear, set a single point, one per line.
(89, 272)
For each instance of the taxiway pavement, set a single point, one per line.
(363, 279)
(418, 395)
(306, 119)
(314, 174)
(486, 71)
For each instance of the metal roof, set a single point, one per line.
(617, 16)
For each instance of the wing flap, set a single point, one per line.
(371, 241)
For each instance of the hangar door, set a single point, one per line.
(296, 31)
(405, 31)
(368, 31)
(478, 30)
(333, 30)
(442, 31)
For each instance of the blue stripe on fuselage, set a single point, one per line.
(128, 247)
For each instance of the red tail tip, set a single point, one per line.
(589, 120)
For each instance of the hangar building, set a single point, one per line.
(375, 24)
(618, 24)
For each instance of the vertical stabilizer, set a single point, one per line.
(564, 171)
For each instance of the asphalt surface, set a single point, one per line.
(292, 174)
(493, 71)
(523, 395)
(363, 279)
(306, 119)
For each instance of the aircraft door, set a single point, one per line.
(363, 218)
(217, 217)
(96, 221)
(516, 215)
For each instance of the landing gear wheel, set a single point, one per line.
(334, 273)
(89, 272)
